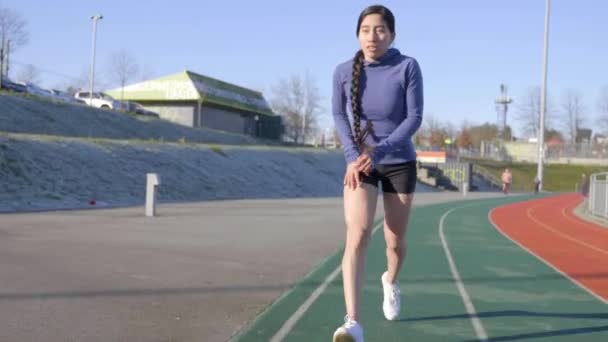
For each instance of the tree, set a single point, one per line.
(432, 131)
(602, 106)
(486, 132)
(464, 138)
(529, 112)
(297, 99)
(551, 134)
(573, 113)
(123, 68)
(29, 74)
(13, 35)
(75, 84)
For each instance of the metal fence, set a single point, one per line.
(598, 194)
(578, 150)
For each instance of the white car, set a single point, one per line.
(99, 100)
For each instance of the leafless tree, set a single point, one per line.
(80, 83)
(123, 69)
(572, 113)
(297, 99)
(602, 106)
(29, 73)
(528, 112)
(13, 35)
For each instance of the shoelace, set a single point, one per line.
(348, 322)
(394, 293)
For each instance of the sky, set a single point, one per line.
(465, 48)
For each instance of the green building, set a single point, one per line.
(195, 100)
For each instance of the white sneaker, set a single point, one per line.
(350, 331)
(391, 304)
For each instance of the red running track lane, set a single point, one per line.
(549, 229)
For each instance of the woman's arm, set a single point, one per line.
(414, 95)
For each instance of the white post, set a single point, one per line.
(153, 180)
(543, 102)
(592, 194)
(605, 213)
(95, 18)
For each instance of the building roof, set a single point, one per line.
(190, 86)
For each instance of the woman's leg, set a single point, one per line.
(396, 218)
(359, 211)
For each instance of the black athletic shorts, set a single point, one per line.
(395, 178)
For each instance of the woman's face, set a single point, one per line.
(374, 37)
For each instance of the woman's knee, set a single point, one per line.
(357, 239)
(395, 243)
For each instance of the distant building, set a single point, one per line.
(583, 135)
(195, 100)
(600, 139)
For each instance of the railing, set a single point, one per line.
(487, 176)
(598, 194)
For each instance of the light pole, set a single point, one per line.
(95, 18)
(543, 100)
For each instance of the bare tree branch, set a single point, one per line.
(573, 113)
(29, 74)
(528, 113)
(297, 99)
(13, 28)
(123, 68)
(602, 106)
(13, 35)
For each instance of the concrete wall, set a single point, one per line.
(181, 113)
(522, 151)
(187, 114)
(227, 120)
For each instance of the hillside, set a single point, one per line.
(28, 114)
(48, 161)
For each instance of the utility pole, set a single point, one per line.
(502, 106)
(1, 61)
(543, 100)
(95, 18)
(8, 55)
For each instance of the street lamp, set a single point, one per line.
(543, 100)
(95, 18)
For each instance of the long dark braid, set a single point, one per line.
(355, 95)
(356, 98)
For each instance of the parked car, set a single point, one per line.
(33, 89)
(99, 100)
(66, 97)
(13, 86)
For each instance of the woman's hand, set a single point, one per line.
(352, 178)
(364, 163)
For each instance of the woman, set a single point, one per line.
(383, 91)
(507, 179)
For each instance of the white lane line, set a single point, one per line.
(466, 299)
(299, 313)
